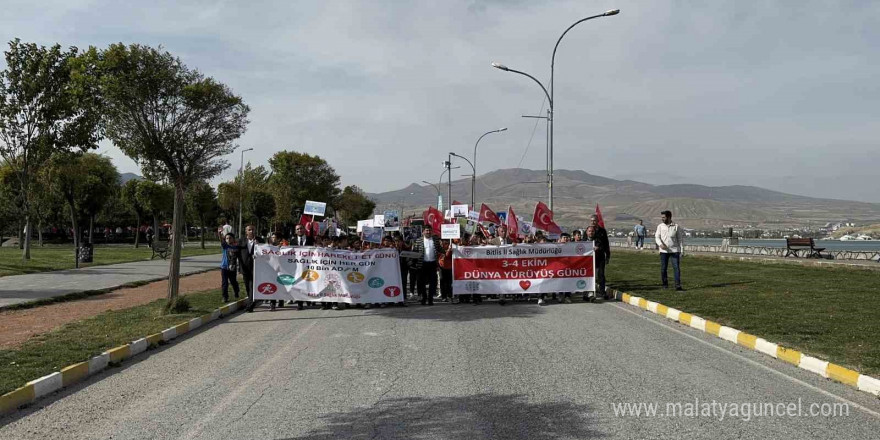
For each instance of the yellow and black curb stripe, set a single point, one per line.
(72, 374)
(823, 368)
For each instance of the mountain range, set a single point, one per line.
(624, 201)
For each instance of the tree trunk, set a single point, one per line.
(176, 226)
(75, 225)
(20, 236)
(203, 231)
(91, 229)
(26, 253)
(39, 232)
(137, 231)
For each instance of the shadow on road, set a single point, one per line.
(468, 417)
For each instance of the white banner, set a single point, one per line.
(523, 268)
(326, 275)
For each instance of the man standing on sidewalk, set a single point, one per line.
(428, 247)
(669, 240)
(640, 235)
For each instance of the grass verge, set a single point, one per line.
(49, 258)
(830, 313)
(79, 341)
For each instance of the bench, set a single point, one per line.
(795, 245)
(160, 249)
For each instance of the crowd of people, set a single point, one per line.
(426, 270)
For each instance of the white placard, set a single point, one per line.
(315, 208)
(449, 232)
(459, 210)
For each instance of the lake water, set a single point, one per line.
(831, 245)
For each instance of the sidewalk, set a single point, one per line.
(19, 289)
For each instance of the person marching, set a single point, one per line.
(601, 253)
(428, 247)
(228, 265)
(246, 264)
(301, 239)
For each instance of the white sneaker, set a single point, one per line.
(540, 302)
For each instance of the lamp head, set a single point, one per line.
(500, 66)
(612, 12)
(502, 129)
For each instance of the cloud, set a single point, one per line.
(732, 92)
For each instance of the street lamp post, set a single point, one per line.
(472, 176)
(550, 95)
(241, 190)
(474, 165)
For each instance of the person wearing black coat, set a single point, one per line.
(601, 253)
(246, 263)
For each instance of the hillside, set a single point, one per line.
(622, 201)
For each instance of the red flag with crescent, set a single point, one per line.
(543, 219)
(456, 202)
(488, 215)
(512, 224)
(433, 218)
(599, 216)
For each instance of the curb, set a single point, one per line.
(75, 373)
(825, 369)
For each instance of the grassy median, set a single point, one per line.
(54, 257)
(79, 341)
(830, 313)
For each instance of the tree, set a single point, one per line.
(297, 177)
(227, 199)
(129, 197)
(201, 203)
(262, 208)
(100, 184)
(173, 121)
(155, 200)
(353, 205)
(43, 111)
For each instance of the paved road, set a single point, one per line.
(23, 288)
(442, 372)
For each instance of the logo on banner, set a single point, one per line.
(287, 280)
(472, 286)
(525, 284)
(311, 275)
(582, 284)
(267, 288)
(355, 277)
(467, 252)
(391, 291)
(376, 282)
(580, 248)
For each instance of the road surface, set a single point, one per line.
(446, 372)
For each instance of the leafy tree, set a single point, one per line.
(43, 110)
(9, 201)
(155, 200)
(353, 205)
(129, 198)
(201, 203)
(262, 208)
(297, 177)
(227, 199)
(100, 184)
(173, 121)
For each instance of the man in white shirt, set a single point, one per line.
(669, 238)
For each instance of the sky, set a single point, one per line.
(783, 95)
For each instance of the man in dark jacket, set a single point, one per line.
(601, 254)
(428, 247)
(246, 263)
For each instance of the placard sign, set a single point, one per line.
(315, 208)
(449, 232)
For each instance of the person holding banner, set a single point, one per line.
(276, 239)
(301, 239)
(602, 251)
(228, 266)
(445, 263)
(246, 264)
(428, 247)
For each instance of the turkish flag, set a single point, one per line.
(488, 215)
(599, 215)
(543, 219)
(512, 224)
(456, 202)
(433, 219)
(311, 227)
